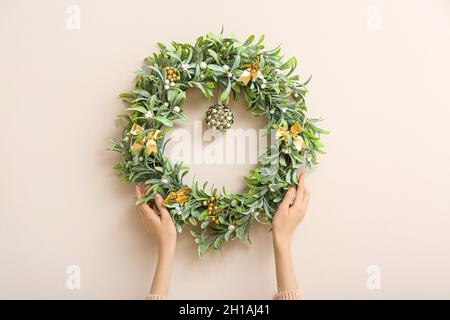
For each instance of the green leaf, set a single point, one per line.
(218, 70)
(142, 92)
(182, 117)
(171, 95)
(202, 248)
(200, 86)
(126, 96)
(226, 93)
(249, 40)
(210, 85)
(261, 40)
(218, 242)
(237, 62)
(214, 55)
(204, 224)
(192, 221)
(137, 108)
(164, 121)
(152, 101)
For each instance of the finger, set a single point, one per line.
(138, 192)
(153, 207)
(141, 214)
(148, 213)
(301, 183)
(162, 209)
(145, 188)
(145, 221)
(306, 196)
(144, 209)
(300, 190)
(288, 199)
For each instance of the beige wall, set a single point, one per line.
(380, 196)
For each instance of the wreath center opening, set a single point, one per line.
(222, 159)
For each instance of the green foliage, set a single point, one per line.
(277, 95)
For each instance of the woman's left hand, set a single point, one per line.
(158, 223)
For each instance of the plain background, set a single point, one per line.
(380, 196)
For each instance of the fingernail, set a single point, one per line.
(158, 197)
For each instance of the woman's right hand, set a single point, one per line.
(290, 212)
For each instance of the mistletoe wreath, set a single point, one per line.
(270, 90)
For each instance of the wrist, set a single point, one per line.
(166, 250)
(281, 242)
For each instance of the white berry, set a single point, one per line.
(296, 95)
(229, 74)
(185, 66)
(263, 86)
(148, 115)
(226, 67)
(203, 65)
(264, 81)
(164, 180)
(231, 227)
(166, 81)
(167, 87)
(176, 109)
(172, 84)
(283, 110)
